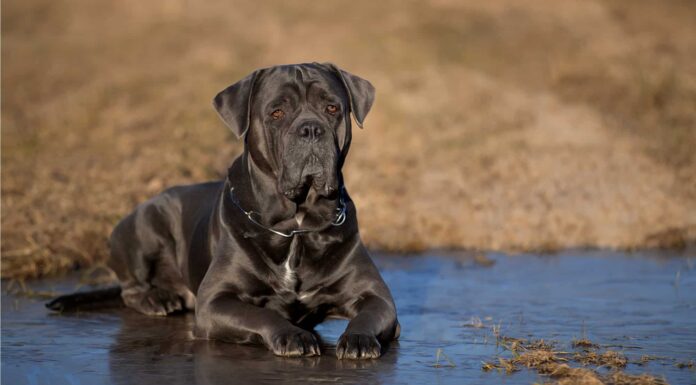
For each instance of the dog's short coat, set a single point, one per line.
(274, 249)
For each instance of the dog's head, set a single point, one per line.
(295, 120)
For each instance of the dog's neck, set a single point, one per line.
(256, 190)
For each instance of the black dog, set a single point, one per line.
(274, 249)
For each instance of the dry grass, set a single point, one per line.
(609, 359)
(542, 357)
(19, 288)
(565, 375)
(474, 322)
(584, 343)
(511, 125)
(686, 365)
(442, 360)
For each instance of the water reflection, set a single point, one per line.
(163, 349)
(626, 301)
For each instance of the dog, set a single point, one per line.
(274, 249)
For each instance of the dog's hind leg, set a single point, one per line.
(164, 294)
(143, 255)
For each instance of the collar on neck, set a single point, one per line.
(338, 220)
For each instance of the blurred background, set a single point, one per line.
(500, 125)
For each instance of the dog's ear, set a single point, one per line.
(360, 91)
(233, 104)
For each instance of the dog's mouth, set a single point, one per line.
(315, 173)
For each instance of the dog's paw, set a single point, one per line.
(155, 302)
(358, 347)
(294, 342)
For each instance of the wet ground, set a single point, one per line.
(639, 304)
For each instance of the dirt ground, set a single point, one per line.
(506, 125)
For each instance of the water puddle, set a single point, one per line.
(638, 304)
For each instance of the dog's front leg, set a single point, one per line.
(374, 322)
(227, 318)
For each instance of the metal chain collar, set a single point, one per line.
(339, 220)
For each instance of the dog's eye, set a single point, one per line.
(277, 114)
(331, 109)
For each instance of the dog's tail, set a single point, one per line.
(89, 300)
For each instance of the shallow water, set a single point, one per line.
(641, 304)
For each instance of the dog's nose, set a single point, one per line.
(310, 131)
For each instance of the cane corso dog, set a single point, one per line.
(274, 249)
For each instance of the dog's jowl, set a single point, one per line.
(274, 249)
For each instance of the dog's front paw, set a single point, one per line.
(358, 347)
(294, 342)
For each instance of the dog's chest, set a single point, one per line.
(288, 271)
(289, 281)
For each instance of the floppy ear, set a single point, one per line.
(233, 104)
(360, 91)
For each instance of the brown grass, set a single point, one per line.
(565, 375)
(609, 359)
(584, 343)
(511, 125)
(542, 357)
